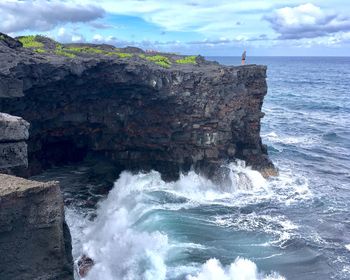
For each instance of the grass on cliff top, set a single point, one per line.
(61, 51)
(30, 42)
(187, 60)
(160, 60)
(2, 37)
(120, 54)
(91, 50)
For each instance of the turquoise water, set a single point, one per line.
(295, 226)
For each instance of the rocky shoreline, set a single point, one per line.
(123, 108)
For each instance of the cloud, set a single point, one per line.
(306, 21)
(66, 36)
(44, 15)
(218, 17)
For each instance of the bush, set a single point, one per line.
(61, 52)
(85, 49)
(187, 60)
(30, 42)
(121, 55)
(158, 59)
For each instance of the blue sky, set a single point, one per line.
(207, 27)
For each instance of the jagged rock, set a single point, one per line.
(85, 264)
(134, 112)
(34, 239)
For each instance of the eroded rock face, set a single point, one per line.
(13, 147)
(135, 113)
(34, 239)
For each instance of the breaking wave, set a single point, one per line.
(151, 229)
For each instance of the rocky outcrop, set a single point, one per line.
(130, 110)
(13, 147)
(34, 239)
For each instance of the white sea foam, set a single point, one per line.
(240, 269)
(117, 248)
(347, 247)
(277, 226)
(124, 239)
(302, 141)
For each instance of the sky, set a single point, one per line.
(206, 27)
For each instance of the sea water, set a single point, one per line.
(294, 226)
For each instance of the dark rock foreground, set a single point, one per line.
(129, 110)
(34, 239)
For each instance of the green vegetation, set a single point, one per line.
(158, 59)
(85, 49)
(64, 53)
(2, 37)
(40, 50)
(187, 60)
(120, 54)
(124, 55)
(30, 42)
(94, 50)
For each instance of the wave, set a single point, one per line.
(303, 141)
(129, 238)
(240, 269)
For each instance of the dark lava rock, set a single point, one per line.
(34, 240)
(132, 111)
(84, 265)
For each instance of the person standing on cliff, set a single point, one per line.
(244, 55)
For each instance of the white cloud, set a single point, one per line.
(306, 21)
(44, 15)
(67, 36)
(204, 16)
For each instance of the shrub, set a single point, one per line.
(85, 49)
(61, 52)
(30, 42)
(158, 59)
(187, 60)
(124, 55)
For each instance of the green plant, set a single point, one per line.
(61, 52)
(158, 59)
(187, 60)
(30, 42)
(85, 49)
(124, 55)
(2, 37)
(40, 50)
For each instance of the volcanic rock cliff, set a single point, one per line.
(139, 110)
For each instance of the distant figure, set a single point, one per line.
(244, 55)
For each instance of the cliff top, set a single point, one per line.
(15, 186)
(42, 48)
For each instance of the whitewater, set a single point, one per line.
(147, 228)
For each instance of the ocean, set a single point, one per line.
(294, 226)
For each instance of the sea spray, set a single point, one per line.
(137, 233)
(240, 269)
